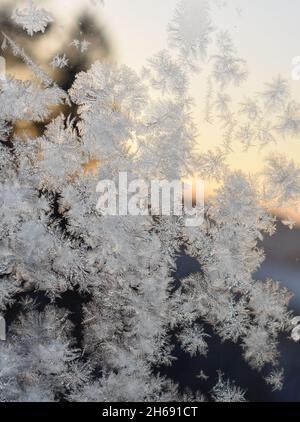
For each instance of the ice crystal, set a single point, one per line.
(60, 61)
(191, 28)
(282, 180)
(275, 379)
(226, 391)
(193, 341)
(32, 19)
(83, 45)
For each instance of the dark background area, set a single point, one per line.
(282, 264)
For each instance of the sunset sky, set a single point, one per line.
(265, 32)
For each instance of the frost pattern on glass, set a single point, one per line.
(53, 240)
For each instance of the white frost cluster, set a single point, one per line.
(226, 391)
(32, 18)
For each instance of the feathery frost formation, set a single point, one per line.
(54, 242)
(32, 19)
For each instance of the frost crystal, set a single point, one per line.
(228, 67)
(226, 391)
(191, 28)
(276, 94)
(193, 341)
(296, 330)
(282, 180)
(32, 19)
(60, 61)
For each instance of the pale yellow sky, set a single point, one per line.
(266, 34)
